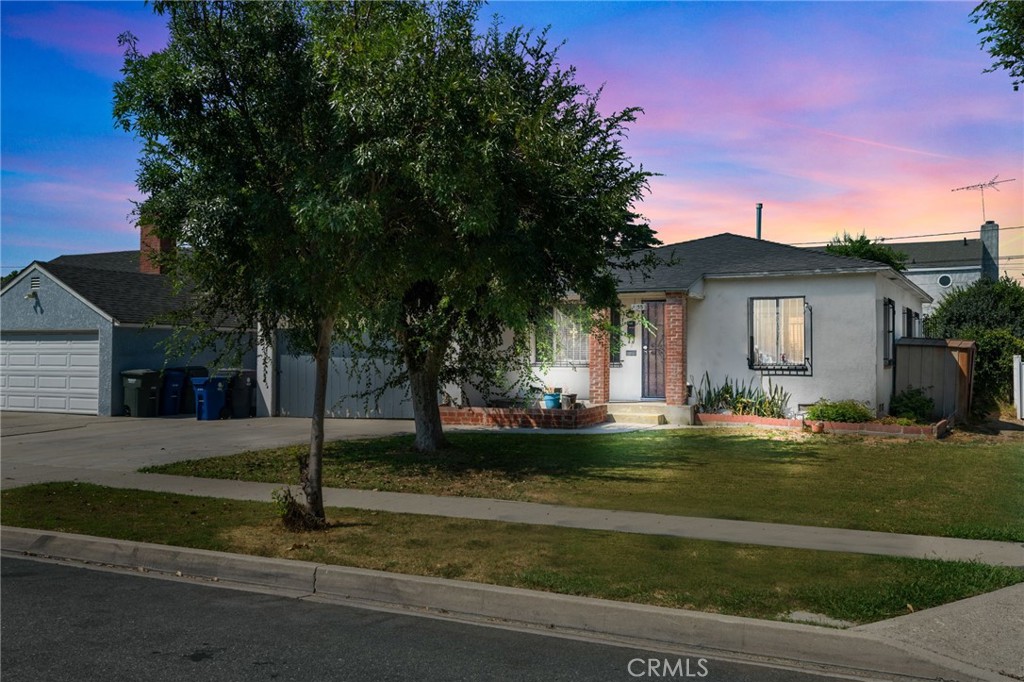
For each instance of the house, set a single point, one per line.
(748, 309)
(729, 306)
(71, 325)
(939, 267)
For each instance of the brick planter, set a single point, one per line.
(528, 418)
(863, 428)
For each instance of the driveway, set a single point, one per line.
(35, 448)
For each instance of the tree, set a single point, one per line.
(1002, 29)
(241, 165)
(9, 277)
(381, 175)
(496, 187)
(991, 313)
(862, 247)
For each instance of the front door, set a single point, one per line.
(653, 350)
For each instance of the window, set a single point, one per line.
(888, 332)
(779, 334)
(911, 323)
(945, 281)
(564, 340)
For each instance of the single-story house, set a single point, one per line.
(729, 306)
(71, 325)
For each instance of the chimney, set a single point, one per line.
(150, 247)
(990, 250)
(759, 205)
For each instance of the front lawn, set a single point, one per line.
(961, 487)
(744, 580)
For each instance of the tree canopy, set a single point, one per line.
(862, 247)
(1001, 26)
(379, 174)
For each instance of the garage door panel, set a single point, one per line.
(50, 372)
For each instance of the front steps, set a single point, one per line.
(637, 413)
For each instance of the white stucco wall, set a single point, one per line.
(846, 337)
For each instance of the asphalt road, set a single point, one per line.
(61, 622)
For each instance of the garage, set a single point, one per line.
(50, 372)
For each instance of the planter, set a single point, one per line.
(568, 401)
(552, 401)
(817, 427)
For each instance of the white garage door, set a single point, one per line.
(50, 372)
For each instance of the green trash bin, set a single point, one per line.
(141, 392)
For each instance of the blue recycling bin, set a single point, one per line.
(211, 397)
(188, 396)
(172, 392)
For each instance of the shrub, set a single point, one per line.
(912, 404)
(741, 398)
(993, 364)
(841, 411)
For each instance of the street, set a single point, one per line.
(64, 622)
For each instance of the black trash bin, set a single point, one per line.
(243, 394)
(141, 392)
(171, 393)
(188, 394)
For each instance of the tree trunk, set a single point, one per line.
(423, 386)
(311, 471)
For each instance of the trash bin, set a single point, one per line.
(211, 397)
(188, 395)
(243, 394)
(170, 394)
(141, 392)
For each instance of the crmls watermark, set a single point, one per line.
(663, 667)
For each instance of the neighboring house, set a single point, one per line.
(70, 326)
(817, 324)
(938, 267)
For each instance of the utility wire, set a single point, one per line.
(916, 236)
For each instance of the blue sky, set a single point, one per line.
(837, 116)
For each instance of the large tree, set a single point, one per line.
(862, 247)
(379, 174)
(1001, 26)
(241, 166)
(497, 187)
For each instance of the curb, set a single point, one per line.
(641, 625)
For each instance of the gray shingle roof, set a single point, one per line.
(112, 282)
(947, 254)
(729, 254)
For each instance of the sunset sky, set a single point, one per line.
(858, 116)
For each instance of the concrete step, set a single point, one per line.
(637, 408)
(636, 418)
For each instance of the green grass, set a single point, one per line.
(762, 582)
(962, 487)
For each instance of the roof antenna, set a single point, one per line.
(981, 187)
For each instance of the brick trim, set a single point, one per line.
(529, 418)
(675, 349)
(599, 349)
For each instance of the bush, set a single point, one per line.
(842, 411)
(993, 364)
(741, 398)
(912, 404)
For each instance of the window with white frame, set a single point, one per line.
(562, 340)
(779, 333)
(888, 332)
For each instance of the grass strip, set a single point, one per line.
(744, 580)
(969, 487)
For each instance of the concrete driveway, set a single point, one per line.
(35, 447)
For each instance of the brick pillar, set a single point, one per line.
(599, 349)
(151, 245)
(675, 348)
